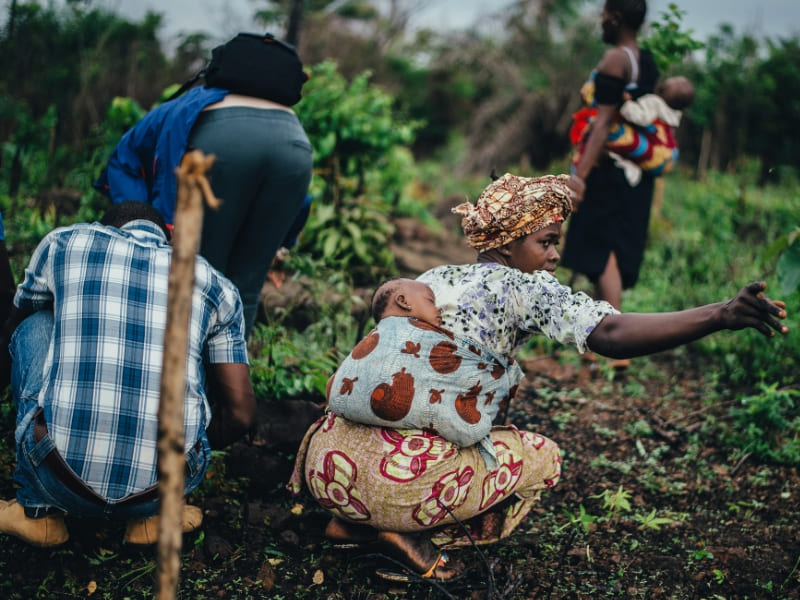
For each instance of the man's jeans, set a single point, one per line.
(40, 491)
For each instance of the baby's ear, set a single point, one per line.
(400, 300)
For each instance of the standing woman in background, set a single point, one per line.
(607, 233)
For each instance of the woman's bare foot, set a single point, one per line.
(418, 553)
(345, 534)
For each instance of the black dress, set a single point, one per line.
(613, 216)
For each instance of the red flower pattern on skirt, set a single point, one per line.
(330, 420)
(536, 441)
(448, 492)
(504, 478)
(333, 487)
(407, 456)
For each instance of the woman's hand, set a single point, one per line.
(751, 308)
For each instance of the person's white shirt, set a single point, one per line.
(646, 109)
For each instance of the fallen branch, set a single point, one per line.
(740, 463)
(699, 411)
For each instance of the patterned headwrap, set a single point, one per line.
(512, 207)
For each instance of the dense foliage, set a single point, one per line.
(360, 170)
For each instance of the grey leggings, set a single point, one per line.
(261, 174)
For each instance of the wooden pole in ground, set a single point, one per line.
(192, 189)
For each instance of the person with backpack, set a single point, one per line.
(263, 158)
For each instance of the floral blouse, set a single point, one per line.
(502, 307)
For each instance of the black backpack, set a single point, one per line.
(256, 65)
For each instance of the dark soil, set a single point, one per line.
(729, 524)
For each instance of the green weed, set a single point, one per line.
(702, 554)
(767, 424)
(615, 502)
(582, 520)
(651, 521)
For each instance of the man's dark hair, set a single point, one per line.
(125, 212)
(633, 12)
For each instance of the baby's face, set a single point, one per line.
(422, 301)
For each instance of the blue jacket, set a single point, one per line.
(142, 166)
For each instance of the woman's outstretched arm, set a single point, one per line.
(635, 334)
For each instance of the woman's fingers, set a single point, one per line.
(756, 287)
(763, 309)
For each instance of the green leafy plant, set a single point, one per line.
(583, 520)
(615, 502)
(667, 41)
(702, 554)
(767, 424)
(354, 238)
(651, 521)
(102, 555)
(787, 248)
(127, 579)
(361, 170)
(700, 255)
(123, 113)
(297, 346)
(288, 366)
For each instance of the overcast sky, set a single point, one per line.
(223, 18)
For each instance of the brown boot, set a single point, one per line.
(143, 532)
(45, 532)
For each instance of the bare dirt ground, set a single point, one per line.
(651, 505)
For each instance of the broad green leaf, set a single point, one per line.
(789, 269)
(354, 231)
(330, 245)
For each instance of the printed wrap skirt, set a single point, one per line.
(413, 480)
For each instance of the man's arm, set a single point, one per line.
(233, 402)
(635, 334)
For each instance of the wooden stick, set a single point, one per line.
(192, 189)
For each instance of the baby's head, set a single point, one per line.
(405, 298)
(677, 92)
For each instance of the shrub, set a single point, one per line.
(362, 166)
(767, 424)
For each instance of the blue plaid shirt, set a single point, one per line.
(107, 288)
